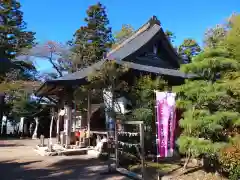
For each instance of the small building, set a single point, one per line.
(146, 51)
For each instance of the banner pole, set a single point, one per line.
(157, 138)
(157, 141)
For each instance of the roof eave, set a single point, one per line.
(38, 91)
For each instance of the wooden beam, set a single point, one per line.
(99, 132)
(132, 122)
(50, 90)
(51, 99)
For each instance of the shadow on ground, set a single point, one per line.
(81, 169)
(2, 144)
(10, 142)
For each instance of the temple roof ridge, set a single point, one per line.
(151, 22)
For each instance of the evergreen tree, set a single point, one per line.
(143, 93)
(233, 40)
(94, 40)
(13, 35)
(212, 105)
(14, 39)
(108, 77)
(171, 38)
(170, 35)
(188, 49)
(90, 45)
(123, 33)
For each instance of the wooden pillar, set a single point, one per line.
(116, 145)
(68, 116)
(142, 150)
(74, 118)
(89, 116)
(58, 132)
(21, 126)
(2, 102)
(34, 136)
(51, 125)
(60, 106)
(3, 120)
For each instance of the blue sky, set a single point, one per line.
(58, 19)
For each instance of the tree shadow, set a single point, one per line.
(15, 170)
(84, 169)
(7, 138)
(162, 168)
(171, 160)
(10, 145)
(192, 170)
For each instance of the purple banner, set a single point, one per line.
(165, 121)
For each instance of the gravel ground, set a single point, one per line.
(18, 161)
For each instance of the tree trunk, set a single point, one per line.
(187, 160)
(34, 136)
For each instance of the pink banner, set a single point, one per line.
(165, 116)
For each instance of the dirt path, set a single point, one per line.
(18, 161)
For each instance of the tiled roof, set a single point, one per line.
(129, 46)
(134, 44)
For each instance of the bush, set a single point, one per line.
(230, 160)
(235, 173)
